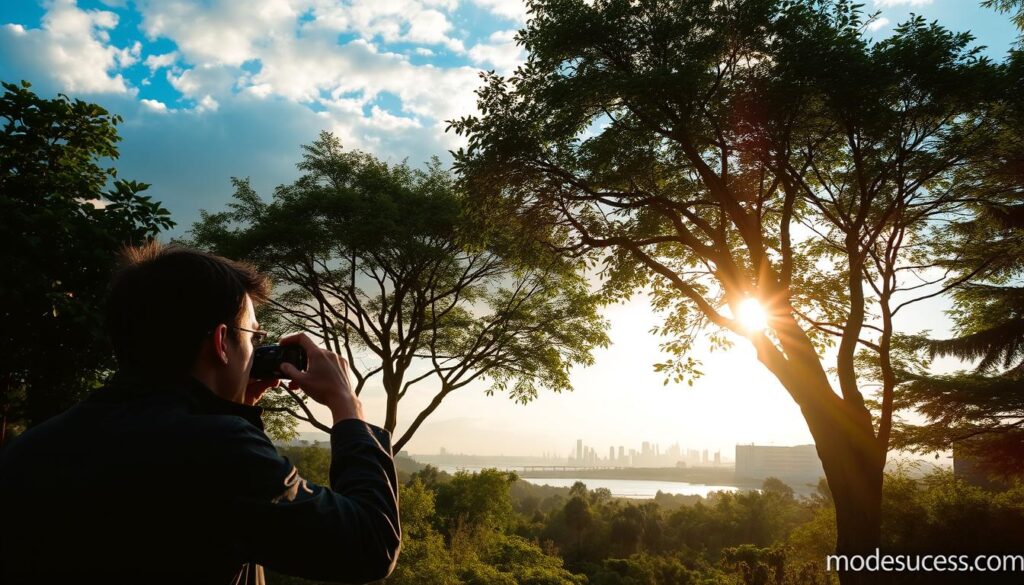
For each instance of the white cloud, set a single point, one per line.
(155, 62)
(448, 5)
(207, 104)
(230, 32)
(385, 121)
(429, 27)
(878, 24)
(514, 10)
(411, 21)
(205, 79)
(154, 105)
(230, 57)
(295, 44)
(221, 32)
(314, 66)
(71, 48)
(891, 3)
(501, 52)
(130, 56)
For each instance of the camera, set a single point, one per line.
(267, 360)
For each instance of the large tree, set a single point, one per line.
(64, 216)
(729, 152)
(380, 263)
(979, 413)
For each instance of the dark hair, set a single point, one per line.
(165, 299)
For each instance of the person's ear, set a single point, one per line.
(220, 343)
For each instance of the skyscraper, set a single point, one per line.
(579, 451)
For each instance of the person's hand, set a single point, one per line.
(326, 379)
(256, 389)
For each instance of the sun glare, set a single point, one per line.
(752, 315)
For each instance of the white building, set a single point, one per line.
(798, 463)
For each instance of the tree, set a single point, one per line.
(642, 568)
(979, 413)
(312, 461)
(476, 510)
(757, 566)
(424, 557)
(774, 485)
(577, 519)
(379, 262)
(723, 153)
(478, 499)
(430, 476)
(63, 219)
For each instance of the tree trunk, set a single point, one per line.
(844, 436)
(391, 417)
(853, 463)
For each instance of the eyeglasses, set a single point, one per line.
(258, 337)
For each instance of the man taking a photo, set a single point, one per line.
(165, 475)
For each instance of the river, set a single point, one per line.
(620, 488)
(636, 488)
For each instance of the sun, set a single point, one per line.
(752, 315)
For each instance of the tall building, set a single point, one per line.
(718, 457)
(579, 451)
(798, 463)
(622, 453)
(611, 454)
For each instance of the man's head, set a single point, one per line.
(173, 311)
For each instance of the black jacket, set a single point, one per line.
(165, 482)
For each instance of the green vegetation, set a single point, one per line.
(713, 152)
(381, 263)
(63, 219)
(492, 528)
(718, 152)
(979, 412)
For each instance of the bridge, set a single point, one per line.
(565, 467)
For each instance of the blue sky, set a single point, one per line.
(211, 89)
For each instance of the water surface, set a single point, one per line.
(620, 488)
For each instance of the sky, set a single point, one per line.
(214, 89)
